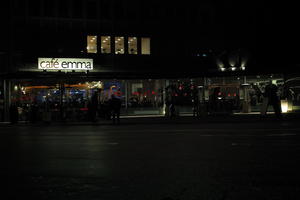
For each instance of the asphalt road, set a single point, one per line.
(246, 160)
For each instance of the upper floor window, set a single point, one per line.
(92, 44)
(132, 45)
(119, 45)
(105, 44)
(145, 42)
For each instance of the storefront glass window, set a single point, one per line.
(92, 44)
(105, 44)
(145, 96)
(119, 45)
(132, 45)
(146, 46)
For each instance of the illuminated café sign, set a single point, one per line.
(65, 63)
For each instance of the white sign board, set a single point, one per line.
(65, 64)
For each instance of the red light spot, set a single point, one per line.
(229, 95)
(234, 94)
(220, 93)
(118, 93)
(153, 92)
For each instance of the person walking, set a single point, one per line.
(273, 99)
(115, 105)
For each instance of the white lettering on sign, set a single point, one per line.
(65, 63)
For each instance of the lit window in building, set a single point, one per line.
(119, 45)
(132, 45)
(105, 44)
(146, 46)
(91, 44)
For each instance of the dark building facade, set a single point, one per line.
(134, 48)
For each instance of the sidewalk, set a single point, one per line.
(182, 119)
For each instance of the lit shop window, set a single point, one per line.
(105, 44)
(146, 46)
(119, 45)
(132, 45)
(91, 44)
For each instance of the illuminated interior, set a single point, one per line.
(132, 45)
(146, 46)
(91, 44)
(119, 45)
(105, 44)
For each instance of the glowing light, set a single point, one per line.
(284, 106)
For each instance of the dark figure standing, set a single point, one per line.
(213, 100)
(195, 107)
(273, 99)
(172, 110)
(115, 105)
(94, 107)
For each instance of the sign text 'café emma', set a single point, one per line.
(65, 63)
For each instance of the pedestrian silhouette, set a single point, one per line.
(172, 110)
(115, 105)
(273, 99)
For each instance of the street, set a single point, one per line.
(184, 161)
